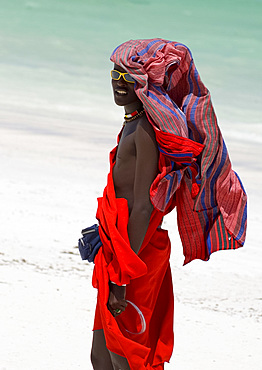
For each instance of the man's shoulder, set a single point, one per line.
(144, 124)
(145, 133)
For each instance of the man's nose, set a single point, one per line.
(121, 81)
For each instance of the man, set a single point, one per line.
(170, 153)
(135, 168)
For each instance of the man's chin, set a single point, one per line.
(119, 101)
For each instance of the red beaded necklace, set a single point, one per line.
(132, 116)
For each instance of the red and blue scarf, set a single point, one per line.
(195, 169)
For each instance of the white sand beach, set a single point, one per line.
(58, 123)
(53, 167)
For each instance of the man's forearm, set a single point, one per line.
(137, 226)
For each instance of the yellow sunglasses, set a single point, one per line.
(116, 75)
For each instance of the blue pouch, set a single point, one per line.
(90, 243)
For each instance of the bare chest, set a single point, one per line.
(124, 168)
(126, 149)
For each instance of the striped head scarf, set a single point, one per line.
(196, 173)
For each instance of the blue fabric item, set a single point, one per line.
(90, 243)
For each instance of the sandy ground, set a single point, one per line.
(52, 171)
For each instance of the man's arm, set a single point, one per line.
(145, 173)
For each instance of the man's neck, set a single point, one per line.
(130, 108)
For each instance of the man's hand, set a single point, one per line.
(116, 301)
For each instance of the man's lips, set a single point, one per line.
(120, 92)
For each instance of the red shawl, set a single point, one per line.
(149, 286)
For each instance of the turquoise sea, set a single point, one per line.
(54, 54)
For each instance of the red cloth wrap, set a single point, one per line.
(149, 286)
